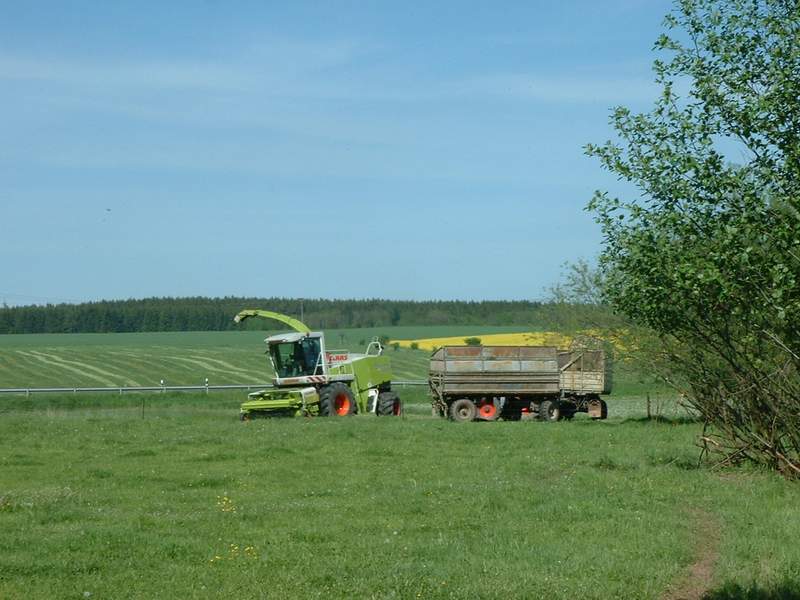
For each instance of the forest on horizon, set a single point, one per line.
(216, 314)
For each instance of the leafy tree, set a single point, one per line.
(472, 341)
(709, 255)
(576, 301)
(580, 284)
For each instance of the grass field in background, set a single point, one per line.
(182, 358)
(225, 357)
(99, 499)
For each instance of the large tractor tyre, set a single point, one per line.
(550, 411)
(463, 410)
(389, 404)
(487, 411)
(336, 400)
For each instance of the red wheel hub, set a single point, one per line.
(341, 404)
(487, 410)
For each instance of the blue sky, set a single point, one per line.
(394, 150)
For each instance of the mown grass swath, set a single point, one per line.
(180, 358)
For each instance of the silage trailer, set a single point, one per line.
(513, 382)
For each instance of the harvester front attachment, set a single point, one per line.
(291, 402)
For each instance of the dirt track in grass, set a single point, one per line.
(697, 580)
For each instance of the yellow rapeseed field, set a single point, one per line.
(531, 338)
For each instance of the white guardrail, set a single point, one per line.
(158, 388)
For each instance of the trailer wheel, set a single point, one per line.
(336, 400)
(549, 410)
(463, 410)
(389, 404)
(603, 410)
(487, 410)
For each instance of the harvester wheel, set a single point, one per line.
(487, 410)
(389, 404)
(336, 400)
(550, 411)
(463, 410)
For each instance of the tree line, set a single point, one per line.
(216, 314)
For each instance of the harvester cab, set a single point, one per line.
(296, 355)
(311, 380)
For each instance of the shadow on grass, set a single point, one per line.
(113, 401)
(685, 463)
(789, 590)
(661, 420)
(607, 463)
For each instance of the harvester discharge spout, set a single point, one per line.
(266, 314)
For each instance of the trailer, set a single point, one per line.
(518, 382)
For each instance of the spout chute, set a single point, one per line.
(266, 314)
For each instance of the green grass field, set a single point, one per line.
(170, 496)
(99, 499)
(186, 358)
